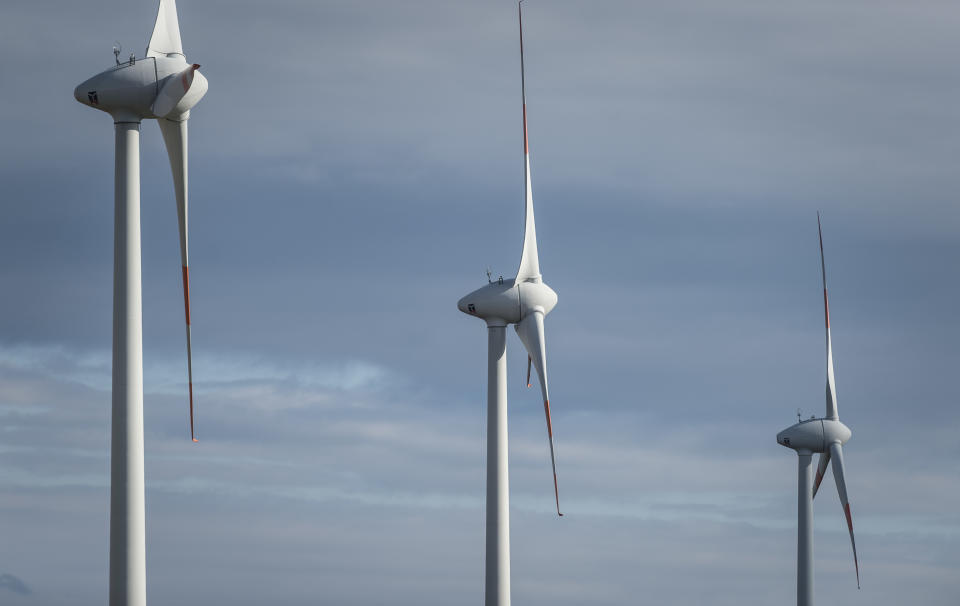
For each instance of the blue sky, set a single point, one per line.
(355, 167)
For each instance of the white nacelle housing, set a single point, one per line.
(128, 91)
(498, 300)
(508, 302)
(815, 435)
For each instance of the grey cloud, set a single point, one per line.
(14, 584)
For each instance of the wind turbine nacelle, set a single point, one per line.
(128, 91)
(506, 301)
(814, 435)
(498, 300)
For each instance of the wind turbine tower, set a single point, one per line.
(163, 86)
(524, 302)
(827, 437)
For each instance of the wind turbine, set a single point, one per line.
(524, 302)
(826, 436)
(161, 86)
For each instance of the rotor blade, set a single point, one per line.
(831, 385)
(530, 331)
(173, 91)
(529, 363)
(837, 451)
(529, 270)
(166, 32)
(821, 470)
(175, 139)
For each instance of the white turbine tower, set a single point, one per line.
(524, 302)
(162, 86)
(826, 436)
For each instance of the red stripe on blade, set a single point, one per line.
(553, 462)
(856, 564)
(546, 409)
(526, 144)
(186, 292)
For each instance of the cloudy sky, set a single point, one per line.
(356, 166)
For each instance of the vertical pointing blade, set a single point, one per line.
(837, 453)
(531, 333)
(529, 269)
(175, 138)
(831, 384)
(186, 306)
(553, 458)
(166, 32)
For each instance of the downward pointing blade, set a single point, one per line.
(821, 471)
(175, 139)
(837, 452)
(529, 270)
(166, 32)
(530, 331)
(831, 385)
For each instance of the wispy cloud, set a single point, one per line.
(92, 368)
(14, 584)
